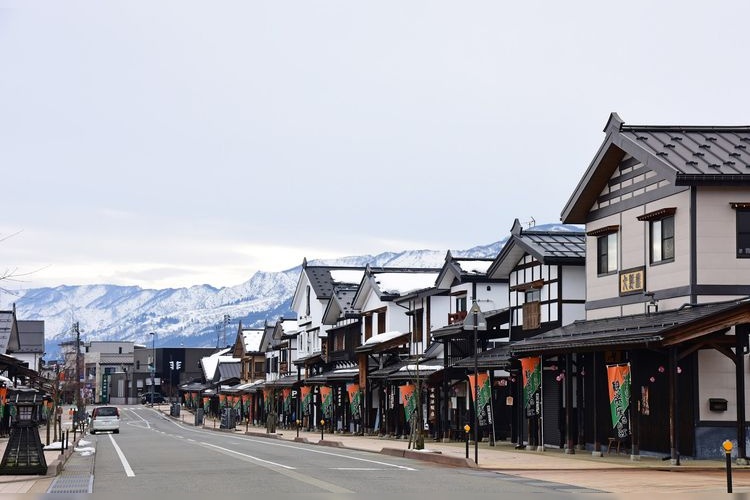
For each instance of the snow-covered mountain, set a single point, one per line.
(194, 316)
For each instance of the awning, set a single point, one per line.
(383, 342)
(660, 329)
(497, 358)
(286, 381)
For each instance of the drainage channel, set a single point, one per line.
(77, 475)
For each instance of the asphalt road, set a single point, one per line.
(153, 454)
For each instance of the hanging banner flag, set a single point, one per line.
(267, 397)
(222, 401)
(287, 394)
(618, 378)
(306, 394)
(532, 385)
(245, 398)
(484, 407)
(355, 400)
(326, 401)
(409, 400)
(206, 404)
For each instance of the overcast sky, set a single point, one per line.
(167, 144)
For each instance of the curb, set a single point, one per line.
(262, 434)
(430, 456)
(332, 444)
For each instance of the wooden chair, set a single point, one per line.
(616, 443)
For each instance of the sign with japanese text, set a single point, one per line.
(633, 281)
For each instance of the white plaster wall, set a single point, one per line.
(631, 239)
(717, 237)
(574, 283)
(440, 307)
(717, 380)
(396, 319)
(603, 287)
(573, 312)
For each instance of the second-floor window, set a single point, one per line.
(461, 304)
(743, 234)
(662, 240)
(606, 252)
(381, 322)
(532, 311)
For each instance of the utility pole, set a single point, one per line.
(79, 405)
(226, 322)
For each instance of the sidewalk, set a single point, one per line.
(54, 458)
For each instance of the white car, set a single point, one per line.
(105, 418)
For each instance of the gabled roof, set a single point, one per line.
(548, 247)
(683, 155)
(390, 283)
(340, 305)
(323, 279)
(252, 339)
(210, 364)
(286, 328)
(462, 269)
(8, 328)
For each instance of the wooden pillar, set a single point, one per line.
(568, 380)
(741, 332)
(444, 408)
(635, 408)
(580, 410)
(673, 414)
(595, 410)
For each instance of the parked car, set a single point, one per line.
(105, 418)
(153, 398)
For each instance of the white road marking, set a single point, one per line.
(128, 470)
(269, 442)
(248, 456)
(355, 468)
(148, 425)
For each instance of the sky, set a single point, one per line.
(169, 144)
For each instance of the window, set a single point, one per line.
(368, 327)
(307, 301)
(461, 304)
(662, 240)
(259, 367)
(532, 311)
(606, 253)
(381, 321)
(743, 234)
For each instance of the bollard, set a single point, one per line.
(299, 422)
(728, 450)
(467, 428)
(322, 427)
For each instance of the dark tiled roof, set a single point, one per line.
(229, 371)
(345, 297)
(31, 336)
(640, 329)
(499, 357)
(696, 151)
(555, 244)
(321, 280)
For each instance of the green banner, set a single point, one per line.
(532, 384)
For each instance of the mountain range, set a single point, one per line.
(193, 316)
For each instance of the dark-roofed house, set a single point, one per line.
(386, 334)
(314, 292)
(667, 217)
(30, 348)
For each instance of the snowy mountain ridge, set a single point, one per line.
(193, 316)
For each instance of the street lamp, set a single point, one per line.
(127, 384)
(153, 364)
